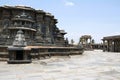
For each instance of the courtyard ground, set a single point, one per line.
(92, 65)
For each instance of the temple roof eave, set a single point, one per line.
(22, 28)
(23, 19)
(63, 32)
(18, 7)
(86, 36)
(18, 48)
(111, 37)
(30, 9)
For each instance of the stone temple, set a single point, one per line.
(38, 26)
(26, 34)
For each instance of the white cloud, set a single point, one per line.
(68, 3)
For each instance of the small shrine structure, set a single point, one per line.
(86, 41)
(18, 52)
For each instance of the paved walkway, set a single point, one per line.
(92, 65)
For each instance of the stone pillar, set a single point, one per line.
(108, 45)
(112, 46)
(118, 46)
(103, 45)
(85, 42)
(90, 40)
(51, 31)
(90, 43)
(115, 46)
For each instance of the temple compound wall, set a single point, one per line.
(38, 26)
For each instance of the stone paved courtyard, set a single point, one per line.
(92, 65)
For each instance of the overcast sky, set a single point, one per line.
(97, 18)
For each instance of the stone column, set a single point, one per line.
(108, 45)
(115, 46)
(112, 46)
(90, 43)
(103, 45)
(90, 40)
(85, 42)
(52, 24)
(118, 46)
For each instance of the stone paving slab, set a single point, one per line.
(92, 65)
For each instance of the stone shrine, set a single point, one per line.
(26, 34)
(19, 53)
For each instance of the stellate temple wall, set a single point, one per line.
(39, 27)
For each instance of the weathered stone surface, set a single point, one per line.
(19, 39)
(38, 26)
(93, 65)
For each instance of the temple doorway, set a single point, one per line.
(19, 55)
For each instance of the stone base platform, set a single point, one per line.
(18, 61)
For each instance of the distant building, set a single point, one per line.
(86, 42)
(97, 46)
(111, 43)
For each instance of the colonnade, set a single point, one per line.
(111, 45)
